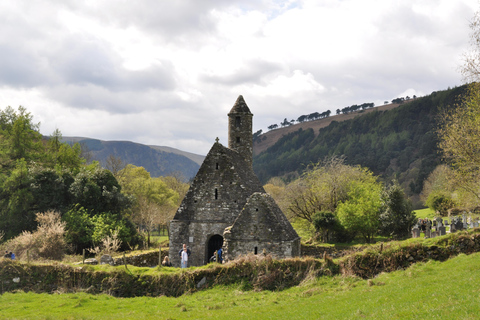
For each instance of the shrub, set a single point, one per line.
(440, 203)
(47, 242)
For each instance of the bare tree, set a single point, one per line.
(114, 164)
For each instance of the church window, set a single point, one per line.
(238, 121)
(238, 139)
(216, 193)
(216, 167)
(256, 250)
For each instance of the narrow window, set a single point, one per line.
(238, 121)
(256, 209)
(216, 193)
(256, 250)
(216, 167)
(238, 139)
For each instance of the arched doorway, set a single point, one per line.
(214, 243)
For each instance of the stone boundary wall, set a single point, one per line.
(263, 273)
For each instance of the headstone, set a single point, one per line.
(428, 229)
(415, 232)
(439, 222)
(91, 261)
(107, 259)
(442, 231)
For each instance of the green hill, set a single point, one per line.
(397, 143)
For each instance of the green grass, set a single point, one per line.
(432, 290)
(425, 213)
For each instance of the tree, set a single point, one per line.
(62, 155)
(440, 202)
(114, 164)
(459, 137)
(153, 198)
(471, 67)
(361, 211)
(322, 187)
(397, 217)
(326, 223)
(97, 190)
(19, 137)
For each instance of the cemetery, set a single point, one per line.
(440, 227)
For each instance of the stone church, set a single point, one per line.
(226, 205)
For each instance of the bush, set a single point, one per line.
(47, 242)
(440, 202)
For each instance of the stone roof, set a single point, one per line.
(262, 220)
(240, 106)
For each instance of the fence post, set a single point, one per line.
(83, 261)
(160, 256)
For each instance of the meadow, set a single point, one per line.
(433, 290)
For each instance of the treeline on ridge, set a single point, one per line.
(400, 143)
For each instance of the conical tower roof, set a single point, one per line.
(240, 106)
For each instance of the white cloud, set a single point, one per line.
(168, 72)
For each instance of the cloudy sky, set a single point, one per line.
(167, 72)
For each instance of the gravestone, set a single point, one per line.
(107, 259)
(415, 232)
(442, 231)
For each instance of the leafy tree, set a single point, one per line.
(460, 141)
(19, 137)
(15, 201)
(361, 211)
(397, 217)
(79, 228)
(97, 190)
(61, 155)
(153, 198)
(326, 223)
(440, 202)
(85, 230)
(321, 188)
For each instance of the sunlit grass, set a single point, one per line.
(425, 213)
(433, 290)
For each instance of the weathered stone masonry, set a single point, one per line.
(217, 196)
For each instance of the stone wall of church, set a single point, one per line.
(234, 248)
(196, 236)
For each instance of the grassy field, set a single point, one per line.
(432, 290)
(425, 213)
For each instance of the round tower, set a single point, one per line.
(240, 136)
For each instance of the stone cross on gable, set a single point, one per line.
(216, 139)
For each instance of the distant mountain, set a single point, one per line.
(158, 160)
(395, 143)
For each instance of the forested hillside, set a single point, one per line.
(156, 161)
(399, 143)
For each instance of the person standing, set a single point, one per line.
(184, 257)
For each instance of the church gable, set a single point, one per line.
(261, 227)
(261, 219)
(220, 189)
